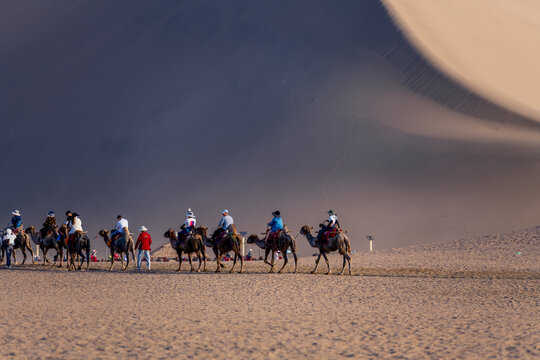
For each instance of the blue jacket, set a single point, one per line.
(276, 224)
(16, 221)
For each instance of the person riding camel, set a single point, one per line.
(16, 222)
(75, 228)
(49, 224)
(327, 229)
(121, 228)
(188, 226)
(226, 225)
(274, 228)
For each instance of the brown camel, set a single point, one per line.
(221, 246)
(22, 242)
(47, 243)
(339, 243)
(123, 246)
(282, 243)
(192, 244)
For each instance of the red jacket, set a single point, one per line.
(144, 241)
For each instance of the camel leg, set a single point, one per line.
(179, 261)
(343, 267)
(204, 258)
(44, 251)
(112, 260)
(349, 261)
(15, 257)
(127, 259)
(327, 263)
(200, 260)
(317, 262)
(218, 260)
(272, 262)
(190, 262)
(82, 258)
(29, 247)
(60, 253)
(241, 262)
(266, 252)
(234, 262)
(285, 261)
(295, 261)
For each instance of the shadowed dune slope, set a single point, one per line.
(147, 108)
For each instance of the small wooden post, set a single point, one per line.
(370, 238)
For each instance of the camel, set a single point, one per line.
(192, 244)
(339, 243)
(22, 242)
(122, 245)
(75, 248)
(283, 243)
(47, 243)
(231, 242)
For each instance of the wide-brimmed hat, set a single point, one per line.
(16, 213)
(225, 211)
(190, 213)
(143, 228)
(50, 213)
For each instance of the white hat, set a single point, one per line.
(143, 228)
(190, 213)
(16, 213)
(225, 211)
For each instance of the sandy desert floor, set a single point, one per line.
(398, 305)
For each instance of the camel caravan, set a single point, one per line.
(69, 238)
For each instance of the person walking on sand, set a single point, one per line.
(9, 242)
(143, 245)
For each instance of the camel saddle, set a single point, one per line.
(330, 234)
(272, 238)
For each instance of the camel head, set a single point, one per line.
(201, 230)
(306, 230)
(104, 234)
(170, 234)
(252, 238)
(30, 230)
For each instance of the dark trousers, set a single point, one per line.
(9, 251)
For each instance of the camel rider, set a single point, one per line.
(16, 221)
(333, 224)
(274, 227)
(120, 229)
(333, 221)
(226, 224)
(189, 225)
(69, 216)
(49, 224)
(75, 227)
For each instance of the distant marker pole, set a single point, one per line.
(370, 238)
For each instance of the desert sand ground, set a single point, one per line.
(464, 299)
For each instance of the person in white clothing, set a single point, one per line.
(189, 225)
(122, 225)
(75, 227)
(9, 242)
(120, 229)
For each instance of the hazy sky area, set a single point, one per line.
(146, 108)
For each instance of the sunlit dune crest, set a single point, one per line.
(490, 46)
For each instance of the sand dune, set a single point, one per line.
(490, 46)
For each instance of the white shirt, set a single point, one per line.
(190, 222)
(332, 219)
(76, 225)
(121, 224)
(10, 237)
